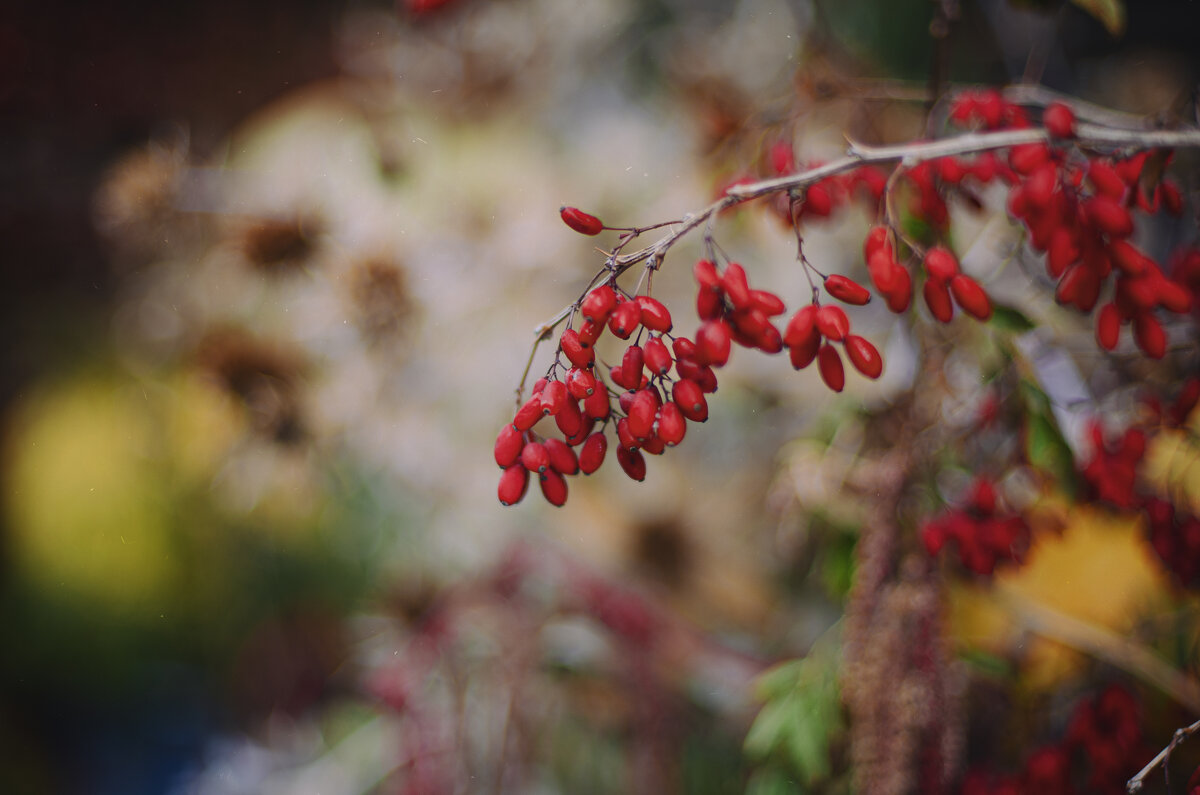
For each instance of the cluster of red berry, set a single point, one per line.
(1112, 477)
(1078, 210)
(985, 538)
(1104, 732)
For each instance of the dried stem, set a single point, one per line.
(1162, 758)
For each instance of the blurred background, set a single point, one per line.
(272, 271)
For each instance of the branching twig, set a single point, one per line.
(1162, 758)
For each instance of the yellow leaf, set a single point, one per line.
(1110, 13)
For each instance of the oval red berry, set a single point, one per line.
(580, 221)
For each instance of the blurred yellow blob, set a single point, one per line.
(91, 467)
(1098, 569)
(1172, 465)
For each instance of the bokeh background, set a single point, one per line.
(272, 271)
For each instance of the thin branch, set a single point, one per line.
(1135, 784)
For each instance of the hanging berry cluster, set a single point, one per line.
(983, 536)
(1075, 187)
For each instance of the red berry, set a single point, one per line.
(598, 304)
(1149, 335)
(709, 304)
(632, 462)
(802, 327)
(657, 357)
(900, 296)
(580, 221)
(591, 455)
(642, 412)
(878, 239)
(733, 281)
(864, 356)
(632, 364)
(691, 400)
(1105, 179)
(767, 302)
(589, 332)
(513, 484)
(624, 319)
(562, 457)
(802, 354)
(576, 352)
(625, 438)
(1108, 326)
(654, 315)
(508, 446)
(937, 298)
(554, 397)
(713, 342)
(596, 404)
(1108, 216)
(529, 414)
(554, 488)
(706, 274)
(846, 290)
(535, 457)
(569, 418)
(941, 264)
(671, 424)
(580, 383)
(1059, 120)
(818, 201)
(830, 365)
(971, 297)
(832, 322)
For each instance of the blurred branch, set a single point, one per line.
(1104, 645)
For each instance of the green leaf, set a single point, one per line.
(1045, 446)
(1110, 13)
(768, 728)
(778, 680)
(1008, 319)
(989, 664)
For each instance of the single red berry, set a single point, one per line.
(654, 314)
(632, 462)
(684, 349)
(1149, 335)
(508, 446)
(653, 446)
(1105, 179)
(832, 322)
(658, 358)
(580, 221)
(576, 352)
(596, 405)
(554, 396)
(1108, 326)
(535, 457)
(941, 264)
(864, 356)
(642, 412)
(580, 383)
(702, 374)
(591, 455)
(691, 400)
(1025, 158)
(767, 302)
(1128, 258)
(554, 488)
(802, 354)
(632, 364)
(818, 201)
(937, 298)
(733, 282)
(589, 332)
(713, 342)
(1109, 216)
(624, 319)
(625, 438)
(586, 425)
(847, 290)
(802, 327)
(1063, 250)
(878, 239)
(671, 424)
(513, 484)
(599, 304)
(971, 297)
(706, 274)
(830, 365)
(562, 457)
(529, 414)
(1059, 120)
(569, 418)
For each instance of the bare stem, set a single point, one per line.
(1162, 758)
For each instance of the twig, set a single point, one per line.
(1163, 758)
